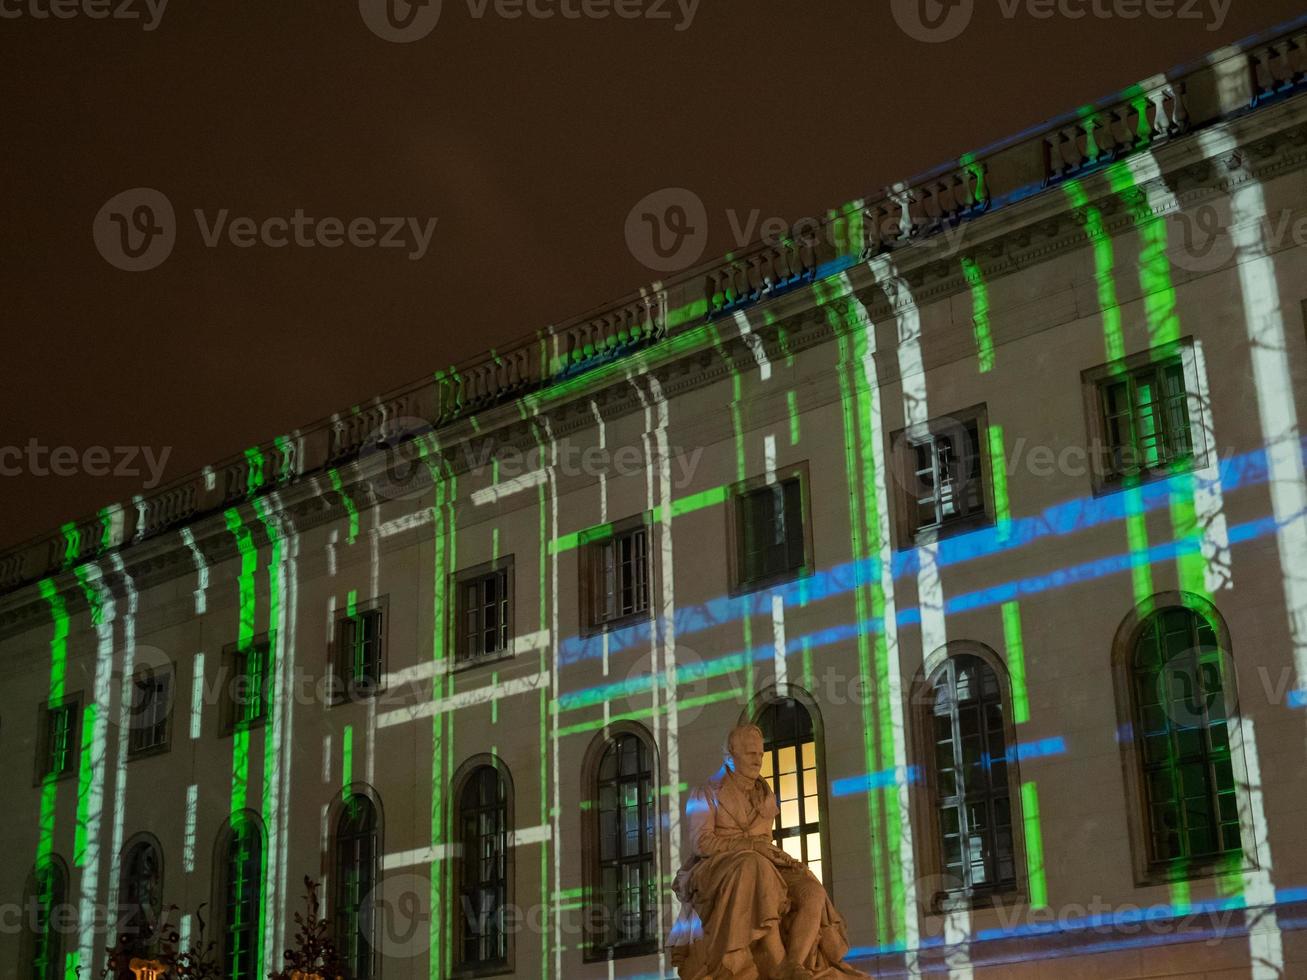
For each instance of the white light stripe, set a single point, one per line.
(188, 835)
(478, 695)
(201, 571)
(894, 653)
(778, 641)
(406, 523)
(496, 493)
(528, 836)
(197, 694)
(769, 457)
(755, 345)
(421, 855)
(527, 643)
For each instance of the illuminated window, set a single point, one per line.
(360, 643)
(770, 536)
(485, 611)
(150, 711)
(789, 763)
(625, 892)
(483, 826)
(943, 475)
(141, 894)
(1182, 734)
(242, 899)
(970, 778)
(356, 876)
(249, 685)
(48, 888)
(1145, 415)
(58, 752)
(617, 566)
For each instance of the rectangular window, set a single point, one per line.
(1139, 416)
(943, 472)
(485, 612)
(770, 530)
(360, 650)
(150, 711)
(617, 569)
(1145, 420)
(249, 687)
(58, 756)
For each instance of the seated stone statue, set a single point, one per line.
(749, 911)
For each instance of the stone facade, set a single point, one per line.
(1013, 281)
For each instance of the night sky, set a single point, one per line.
(528, 140)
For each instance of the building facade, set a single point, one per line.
(985, 498)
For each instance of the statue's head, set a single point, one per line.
(744, 751)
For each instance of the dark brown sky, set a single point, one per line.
(529, 140)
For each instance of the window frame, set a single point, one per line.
(343, 690)
(137, 842)
(135, 751)
(233, 668)
(231, 828)
(338, 813)
(925, 792)
(1105, 478)
(29, 938)
(459, 582)
(590, 846)
(72, 704)
(592, 543)
(1147, 870)
(462, 779)
(736, 515)
(904, 442)
(761, 703)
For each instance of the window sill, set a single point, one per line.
(46, 779)
(244, 726)
(612, 625)
(607, 953)
(474, 663)
(163, 748)
(770, 581)
(952, 529)
(1196, 870)
(346, 694)
(1009, 896)
(1106, 485)
(485, 970)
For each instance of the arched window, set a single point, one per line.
(483, 827)
(241, 898)
(356, 876)
(48, 898)
(789, 763)
(141, 892)
(1180, 709)
(970, 778)
(624, 883)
